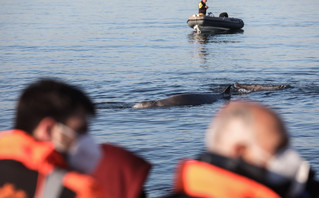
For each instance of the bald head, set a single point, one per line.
(246, 130)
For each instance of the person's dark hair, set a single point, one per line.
(49, 98)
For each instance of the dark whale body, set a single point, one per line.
(185, 99)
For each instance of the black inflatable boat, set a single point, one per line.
(210, 22)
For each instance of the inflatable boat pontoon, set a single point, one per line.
(209, 22)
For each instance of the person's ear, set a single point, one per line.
(239, 151)
(44, 128)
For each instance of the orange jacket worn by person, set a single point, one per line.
(230, 178)
(29, 168)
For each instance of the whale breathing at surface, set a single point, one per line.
(185, 99)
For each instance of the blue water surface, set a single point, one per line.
(123, 52)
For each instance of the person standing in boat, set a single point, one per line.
(202, 7)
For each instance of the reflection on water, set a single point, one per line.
(198, 38)
(212, 37)
(217, 37)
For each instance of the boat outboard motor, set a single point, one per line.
(223, 14)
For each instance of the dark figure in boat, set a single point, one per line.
(202, 7)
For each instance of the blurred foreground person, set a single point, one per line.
(47, 114)
(248, 155)
(48, 139)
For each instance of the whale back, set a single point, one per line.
(185, 99)
(188, 99)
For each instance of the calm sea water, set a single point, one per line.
(122, 52)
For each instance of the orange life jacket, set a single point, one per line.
(121, 172)
(30, 168)
(200, 179)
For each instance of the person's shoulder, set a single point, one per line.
(119, 155)
(126, 174)
(83, 185)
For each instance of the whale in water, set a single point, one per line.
(247, 88)
(185, 99)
